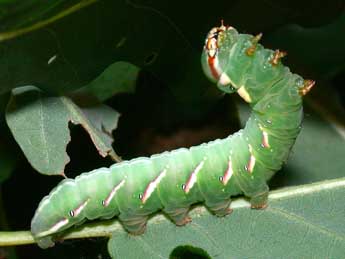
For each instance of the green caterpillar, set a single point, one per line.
(210, 173)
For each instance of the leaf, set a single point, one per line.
(79, 47)
(302, 221)
(157, 36)
(319, 141)
(119, 77)
(31, 15)
(39, 124)
(103, 118)
(325, 57)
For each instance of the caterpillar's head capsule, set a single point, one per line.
(218, 42)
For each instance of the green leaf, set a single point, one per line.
(79, 47)
(325, 46)
(303, 221)
(320, 141)
(39, 124)
(103, 118)
(119, 77)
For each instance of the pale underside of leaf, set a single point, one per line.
(39, 123)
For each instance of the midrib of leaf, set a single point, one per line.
(307, 188)
(339, 129)
(296, 218)
(43, 132)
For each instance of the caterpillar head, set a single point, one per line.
(215, 55)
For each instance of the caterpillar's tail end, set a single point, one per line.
(45, 242)
(43, 238)
(307, 86)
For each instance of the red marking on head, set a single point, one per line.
(211, 64)
(212, 46)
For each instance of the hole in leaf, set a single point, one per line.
(151, 58)
(190, 252)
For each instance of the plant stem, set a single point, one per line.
(12, 238)
(115, 157)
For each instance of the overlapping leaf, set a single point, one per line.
(39, 123)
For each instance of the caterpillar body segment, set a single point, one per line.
(134, 189)
(210, 173)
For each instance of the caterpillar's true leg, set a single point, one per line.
(221, 208)
(135, 225)
(178, 215)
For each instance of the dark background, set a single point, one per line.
(174, 104)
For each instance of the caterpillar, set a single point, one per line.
(211, 173)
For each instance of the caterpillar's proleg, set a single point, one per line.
(135, 225)
(179, 216)
(221, 208)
